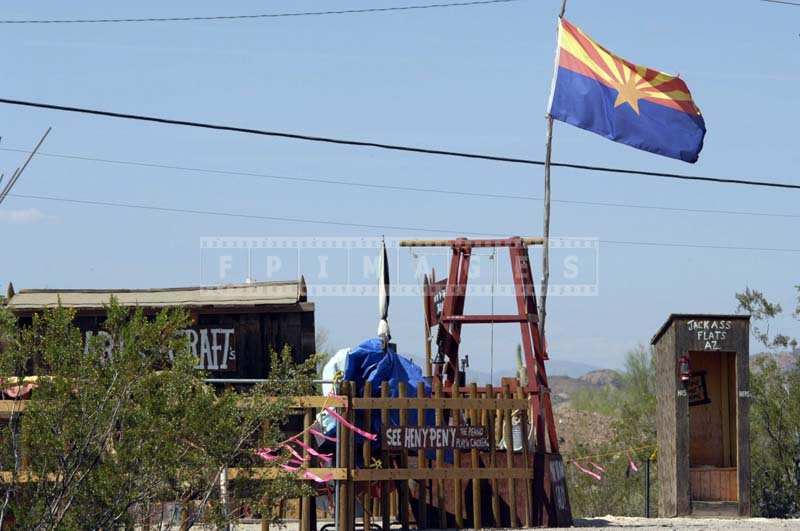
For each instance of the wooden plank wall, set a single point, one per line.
(706, 427)
(714, 484)
(742, 391)
(666, 420)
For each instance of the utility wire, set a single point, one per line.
(237, 215)
(399, 188)
(393, 147)
(153, 208)
(781, 2)
(256, 16)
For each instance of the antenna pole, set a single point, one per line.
(18, 172)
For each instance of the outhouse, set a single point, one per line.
(702, 396)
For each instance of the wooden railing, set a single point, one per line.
(478, 488)
(489, 487)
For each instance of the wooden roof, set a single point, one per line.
(698, 316)
(232, 295)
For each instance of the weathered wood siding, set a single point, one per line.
(743, 422)
(252, 332)
(666, 420)
(714, 484)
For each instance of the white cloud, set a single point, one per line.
(22, 216)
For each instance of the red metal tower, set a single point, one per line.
(551, 503)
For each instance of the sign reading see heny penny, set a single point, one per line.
(420, 437)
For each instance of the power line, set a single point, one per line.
(237, 215)
(443, 191)
(781, 2)
(393, 147)
(256, 16)
(700, 246)
(153, 208)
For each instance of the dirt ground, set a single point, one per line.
(625, 522)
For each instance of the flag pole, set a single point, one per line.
(546, 247)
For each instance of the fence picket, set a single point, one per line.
(477, 517)
(403, 504)
(509, 439)
(422, 462)
(386, 521)
(526, 460)
(367, 455)
(440, 498)
(491, 415)
(458, 495)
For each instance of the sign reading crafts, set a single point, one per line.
(213, 347)
(233, 327)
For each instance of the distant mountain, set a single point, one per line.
(602, 377)
(785, 360)
(555, 368)
(563, 387)
(571, 368)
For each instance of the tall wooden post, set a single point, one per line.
(546, 234)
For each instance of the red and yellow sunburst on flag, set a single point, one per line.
(582, 64)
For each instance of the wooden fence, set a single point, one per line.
(473, 488)
(442, 488)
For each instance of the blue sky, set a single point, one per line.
(471, 79)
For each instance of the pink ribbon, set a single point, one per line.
(597, 467)
(314, 477)
(294, 453)
(266, 456)
(370, 436)
(324, 457)
(631, 464)
(322, 435)
(290, 468)
(587, 472)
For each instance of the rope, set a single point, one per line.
(493, 272)
(617, 452)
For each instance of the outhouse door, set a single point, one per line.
(712, 427)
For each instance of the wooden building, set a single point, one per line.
(702, 395)
(233, 326)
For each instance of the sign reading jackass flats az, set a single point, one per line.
(437, 437)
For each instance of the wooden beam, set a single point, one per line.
(7, 407)
(471, 243)
(443, 403)
(404, 474)
(303, 402)
(377, 474)
(25, 477)
(273, 473)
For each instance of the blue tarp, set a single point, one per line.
(369, 362)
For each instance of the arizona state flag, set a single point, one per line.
(596, 90)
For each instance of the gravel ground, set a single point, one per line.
(624, 522)
(698, 524)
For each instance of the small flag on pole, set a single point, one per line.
(383, 295)
(601, 92)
